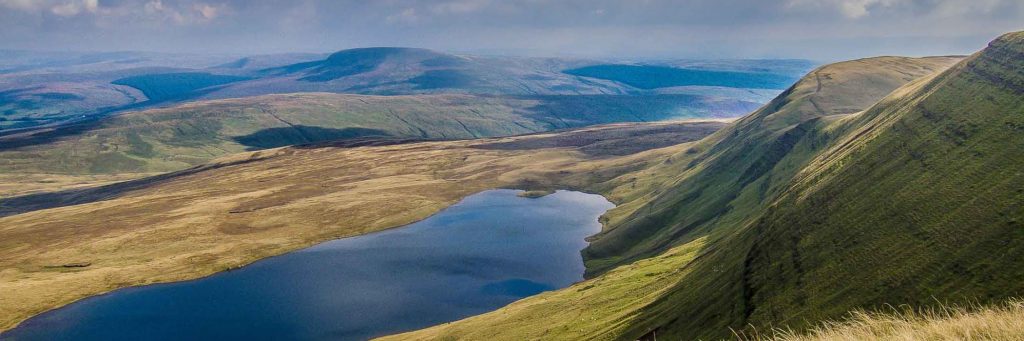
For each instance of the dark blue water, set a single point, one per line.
(476, 256)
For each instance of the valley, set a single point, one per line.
(249, 206)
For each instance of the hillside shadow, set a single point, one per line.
(71, 197)
(614, 141)
(46, 135)
(297, 135)
(38, 135)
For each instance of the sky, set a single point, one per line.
(822, 30)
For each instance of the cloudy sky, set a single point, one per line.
(816, 29)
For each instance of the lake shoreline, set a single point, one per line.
(517, 194)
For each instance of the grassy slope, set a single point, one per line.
(52, 101)
(700, 196)
(179, 137)
(909, 205)
(253, 205)
(917, 198)
(1003, 321)
(14, 185)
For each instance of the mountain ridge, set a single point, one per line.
(174, 138)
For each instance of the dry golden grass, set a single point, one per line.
(255, 205)
(1000, 322)
(12, 185)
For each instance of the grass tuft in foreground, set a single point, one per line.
(972, 322)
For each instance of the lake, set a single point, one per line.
(490, 249)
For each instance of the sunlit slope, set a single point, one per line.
(178, 137)
(182, 136)
(690, 204)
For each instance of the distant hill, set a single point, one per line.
(357, 61)
(653, 77)
(403, 71)
(178, 137)
(229, 107)
(62, 88)
(392, 70)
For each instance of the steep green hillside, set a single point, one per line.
(733, 175)
(178, 137)
(916, 200)
(921, 199)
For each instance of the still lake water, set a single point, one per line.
(488, 250)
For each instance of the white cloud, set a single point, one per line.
(653, 28)
(207, 11)
(460, 6)
(406, 16)
(75, 7)
(956, 8)
(23, 5)
(154, 6)
(853, 9)
(157, 8)
(860, 8)
(197, 13)
(65, 10)
(857, 9)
